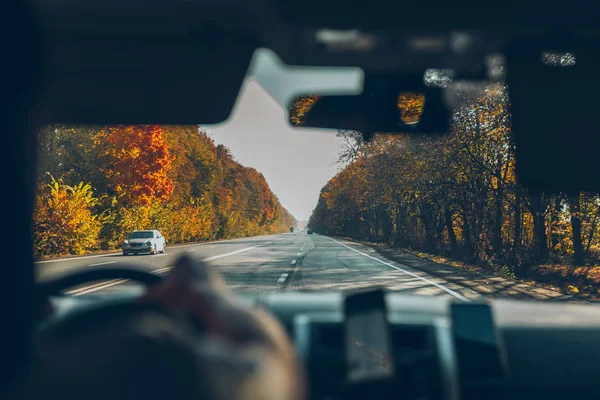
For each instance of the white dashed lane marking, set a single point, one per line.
(161, 270)
(102, 263)
(103, 285)
(235, 252)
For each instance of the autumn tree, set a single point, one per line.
(193, 168)
(141, 162)
(72, 153)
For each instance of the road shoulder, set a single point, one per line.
(485, 284)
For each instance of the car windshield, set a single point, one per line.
(279, 208)
(141, 235)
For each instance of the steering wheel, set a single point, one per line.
(120, 349)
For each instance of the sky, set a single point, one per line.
(296, 163)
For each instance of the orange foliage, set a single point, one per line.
(141, 163)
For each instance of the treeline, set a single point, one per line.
(98, 183)
(456, 196)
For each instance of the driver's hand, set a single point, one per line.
(246, 354)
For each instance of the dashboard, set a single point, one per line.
(541, 348)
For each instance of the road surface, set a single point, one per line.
(288, 261)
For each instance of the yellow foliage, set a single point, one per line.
(64, 222)
(572, 289)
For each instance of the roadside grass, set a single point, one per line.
(580, 280)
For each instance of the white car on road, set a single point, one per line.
(144, 242)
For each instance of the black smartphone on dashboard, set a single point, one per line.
(368, 341)
(479, 347)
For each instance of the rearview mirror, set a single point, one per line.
(387, 104)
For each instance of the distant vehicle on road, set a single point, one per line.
(309, 231)
(291, 229)
(144, 242)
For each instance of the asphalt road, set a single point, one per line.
(289, 261)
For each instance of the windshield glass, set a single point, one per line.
(311, 210)
(141, 235)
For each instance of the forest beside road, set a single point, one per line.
(457, 196)
(96, 184)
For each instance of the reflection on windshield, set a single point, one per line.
(411, 106)
(300, 108)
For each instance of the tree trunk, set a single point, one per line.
(555, 217)
(439, 230)
(593, 226)
(469, 253)
(400, 221)
(387, 226)
(539, 227)
(517, 227)
(578, 253)
(426, 215)
(451, 234)
(497, 229)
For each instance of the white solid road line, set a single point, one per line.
(103, 285)
(90, 289)
(75, 258)
(102, 263)
(294, 262)
(450, 291)
(83, 289)
(282, 278)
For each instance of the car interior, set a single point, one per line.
(133, 62)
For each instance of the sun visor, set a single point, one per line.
(175, 79)
(554, 89)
